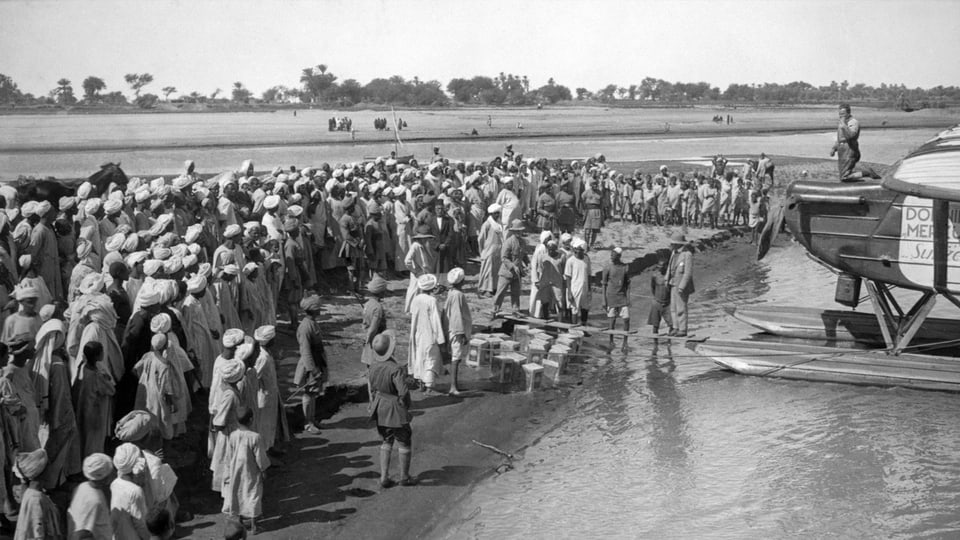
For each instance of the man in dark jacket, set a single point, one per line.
(390, 409)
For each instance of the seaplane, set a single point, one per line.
(886, 239)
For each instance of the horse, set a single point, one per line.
(110, 174)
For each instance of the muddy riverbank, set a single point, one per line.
(327, 484)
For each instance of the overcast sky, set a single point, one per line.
(198, 45)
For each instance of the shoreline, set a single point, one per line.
(330, 486)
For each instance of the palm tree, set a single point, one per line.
(526, 84)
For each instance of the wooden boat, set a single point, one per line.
(834, 324)
(830, 364)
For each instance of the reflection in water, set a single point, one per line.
(663, 445)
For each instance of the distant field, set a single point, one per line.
(68, 146)
(191, 130)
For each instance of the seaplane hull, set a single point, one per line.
(830, 364)
(834, 324)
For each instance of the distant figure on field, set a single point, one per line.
(848, 142)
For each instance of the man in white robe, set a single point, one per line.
(491, 243)
(426, 334)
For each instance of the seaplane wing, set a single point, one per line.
(931, 171)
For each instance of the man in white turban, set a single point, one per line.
(89, 511)
(43, 251)
(272, 423)
(426, 334)
(200, 341)
(90, 230)
(128, 504)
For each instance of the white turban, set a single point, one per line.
(125, 458)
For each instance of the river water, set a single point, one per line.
(664, 444)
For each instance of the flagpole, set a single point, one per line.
(396, 133)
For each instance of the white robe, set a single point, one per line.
(426, 336)
(577, 274)
(491, 244)
(243, 486)
(419, 261)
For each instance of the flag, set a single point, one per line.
(396, 127)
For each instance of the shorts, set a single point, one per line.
(623, 312)
(459, 348)
(402, 435)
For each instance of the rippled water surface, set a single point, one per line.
(665, 445)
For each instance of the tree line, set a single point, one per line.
(318, 85)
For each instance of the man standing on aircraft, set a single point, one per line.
(847, 145)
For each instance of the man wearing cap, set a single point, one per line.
(24, 324)
(491, 244)
(311, 372)
(89, 513)
(271, 221)
(390, 409)
(426, 334)
(229, 252)
(43, 251)
(616, 292)
(296, 277)
(227, 212)
(680, 280)
(847, 143)
(419, 261)
(513, 260)
(459, 325)
(566, 208)
(592, 202)
(375, 240)
(352, 250)
(546, 208)
(442, 227)
(374, 320)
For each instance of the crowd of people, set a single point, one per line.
(343, 123)
(125, 305)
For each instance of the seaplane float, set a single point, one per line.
(891, 238)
